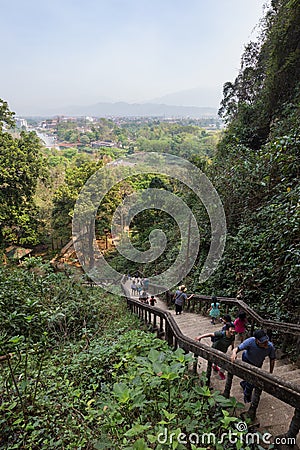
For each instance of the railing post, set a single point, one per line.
(161, 329)
(175, 346)
(208, 372)
(251, 413)
(228, 385)
(154, 322)
(195, 365)
(169, 335)
(288, 440)
(188, 306)
(193, 304)
(294, 425)
(200, 306)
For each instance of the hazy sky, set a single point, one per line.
(80, 52)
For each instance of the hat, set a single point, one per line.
(261, 336)
(182, 288)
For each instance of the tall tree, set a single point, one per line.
(21, 165)
(6, 116)
(256, 169)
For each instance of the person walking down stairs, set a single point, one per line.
(180, 298)
(152, 300)
(133, 288)
(214, 311)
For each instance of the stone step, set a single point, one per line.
(292, 376)
(284, 368)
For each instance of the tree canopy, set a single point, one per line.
(256, 168)
(21, 164)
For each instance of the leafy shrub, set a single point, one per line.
(98, 385)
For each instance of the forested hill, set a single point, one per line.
(77, 370)
(255, 170)
(257, 167)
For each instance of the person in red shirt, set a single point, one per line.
(152, 300)
(240, 325)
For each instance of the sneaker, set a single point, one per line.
(222, 375)
(213, 323)
(215, 368)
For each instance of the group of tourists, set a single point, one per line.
(144, 298)
(138, 285)
(255, 348)
(139, 288)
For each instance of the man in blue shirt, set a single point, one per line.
(256, 349)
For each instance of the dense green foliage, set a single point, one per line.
(66, 195)
(256, 170)
(179, 140)
(84, 375)
(21, 165)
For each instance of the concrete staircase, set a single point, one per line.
(273, 415)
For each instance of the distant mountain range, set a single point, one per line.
(125, 109)
(197, 96)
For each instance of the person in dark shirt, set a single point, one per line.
(180, 298)
(143, 297)
(221, 341)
